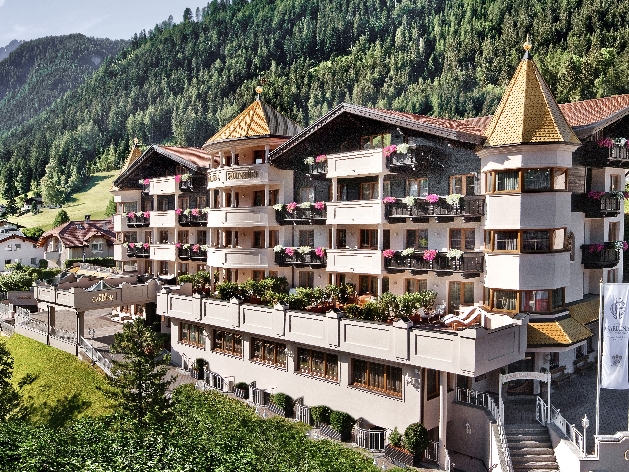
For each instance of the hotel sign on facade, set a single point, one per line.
(234, 175)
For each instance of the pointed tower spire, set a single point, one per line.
(528, 112)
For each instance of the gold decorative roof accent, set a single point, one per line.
(528, 112)
(563, 332)
(585, 312)
(258, 119)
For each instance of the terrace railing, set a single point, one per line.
(299, 259)
(469, 207)
(199, 219)
(96, 357)
(318, 169)
(137, 221)
(599, 256)
(301, 216)
(470, 264)
(597, 205)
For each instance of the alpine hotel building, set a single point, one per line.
(521, 213)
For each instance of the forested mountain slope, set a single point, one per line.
(40, 71)
(6, 50)
(181, 82)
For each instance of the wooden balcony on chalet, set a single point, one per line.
(318, 170)
(597, 204)
(299, 259)
(194, 183)
(301, 216)
(470, 208)
(600, 256)
(469, 265)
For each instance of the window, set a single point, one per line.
(341, 238)
(258, 198)
(460, 293)
(375, 141)
(527, 241)
(258, 156)
(184, 203)
(463, 184)
(7, 261)
(18, 247)
(274, 238)
(507, 181)
(369, 239)
(163, 237)
(183, 268)
(165, 202)
(201, 237)
(306, 278)
(614, 183)
(307, 194)
(341, 192)
(127, 207)
(537, 179)
(200, 267)
(416, 187)
(415, 285)
(163, 267)
(148, 237)
(33, 261)
(227, 342)
(614, 231)
(268, 352)
(417, 238)
(525, 300)
(379, 377)
(432, 383)
(258, 239)
(368, 190)
(191, 334)
(369, 284)
(317, 363)
(463, 239)
(96, 247)
(182, 237)
(274, 197)
(306, 237)
(257, 275)
(506, 300)
(386, 188)
(535, 241)
(9, 247)
(554, 360)
(130, 237)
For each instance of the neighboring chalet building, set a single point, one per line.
(15, 247)
(519, 213)
(78, 239)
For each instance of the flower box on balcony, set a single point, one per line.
(130, 251)
(600, 256)
(297, 258)
(200, 255)
(318, 169)
(137, 220)
(184, 253)
(301, 214)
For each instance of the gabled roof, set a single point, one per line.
(457, 130)
(563, 332)
(17, 236)
(192, 158)
(78, 233)
(258, 119)
(527, 112)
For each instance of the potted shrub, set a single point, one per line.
(284, 403)
(199, 365)
(241, 390)
(320, 415)
(252, 291)
(228, 290)
(342, 423)
(416, 440)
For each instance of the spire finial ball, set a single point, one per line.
(527, 45)
(259, 89)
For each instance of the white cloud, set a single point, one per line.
(1, 2)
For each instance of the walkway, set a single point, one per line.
(575, 398)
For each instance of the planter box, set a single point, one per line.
(241, 393)
(399, 456)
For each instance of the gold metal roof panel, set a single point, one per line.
(562, 333)
(528, 112)
(585, 312)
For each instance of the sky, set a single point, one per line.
(114, 19)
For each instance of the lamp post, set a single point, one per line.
(585, 422)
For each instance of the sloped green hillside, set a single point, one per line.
(179, 83)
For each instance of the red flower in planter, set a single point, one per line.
(291, 207)
(146, 214)
(178, 211)
(147, 181)
(430, 254)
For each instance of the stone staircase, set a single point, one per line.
(530, 448)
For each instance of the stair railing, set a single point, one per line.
(562, 423)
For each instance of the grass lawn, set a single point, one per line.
(64, 387)
(92, 200)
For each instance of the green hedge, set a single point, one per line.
(416, 438)
(97, 261)
(320, 414)
(284, 401)
(341, 422)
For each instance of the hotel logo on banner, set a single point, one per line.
(614, 365)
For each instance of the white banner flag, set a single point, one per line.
(615, 360)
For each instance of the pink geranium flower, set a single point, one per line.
(146, 214)
(319, 205)
(145, 245)
(595, 195)
(178, 211)
(130, 215)
(291, 207)
(388, 150)
(177, 178)
(389, 199)
(321, 158)
(625, 246)
(320, 251)
(195, 247)
(131, 245)
(290, 251)
(607, 142)
(432, 198)
(178, 245)
(430, 254)
(388, 253)
(147, 181)
(195, 212)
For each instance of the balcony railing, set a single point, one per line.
(191, 219)
(597, 204)
(301, 216)
(470, 264)
(138, 220)
(600, 256)
(299, 259)
(193, 183)
(318, 169)
(619, 152)
(470, 207)
(399, 162)
(193, 252)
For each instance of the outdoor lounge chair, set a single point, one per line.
(468, 316)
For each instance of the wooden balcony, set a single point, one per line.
(298, 259)
(469, 265)
(137, 221)
(195, 183)
(301, 216)
(597, 204)
(599, 256)
(318, 170)
(193, 220)
(398, 162)
(470, 208)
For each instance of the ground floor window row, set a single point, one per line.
(370, 375)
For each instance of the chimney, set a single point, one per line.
(87, 218)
